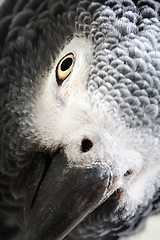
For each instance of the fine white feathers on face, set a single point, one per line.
(66, 115)
(58, 107)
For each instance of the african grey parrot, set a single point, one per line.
(79, 118)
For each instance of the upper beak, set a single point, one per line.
(65, 197)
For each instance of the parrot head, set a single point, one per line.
(80, 117)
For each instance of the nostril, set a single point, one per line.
(86, 145)
(129, 172)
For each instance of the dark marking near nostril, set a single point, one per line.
(129, 172)
(86, 145)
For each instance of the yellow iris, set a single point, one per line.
(64, 68)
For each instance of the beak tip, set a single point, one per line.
(66, 196)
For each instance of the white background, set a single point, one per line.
(152, 230)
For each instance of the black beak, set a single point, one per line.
(65, 197)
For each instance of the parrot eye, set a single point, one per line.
(64, 68)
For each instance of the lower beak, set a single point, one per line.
(65, 197)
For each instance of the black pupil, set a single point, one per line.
(66, 64)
